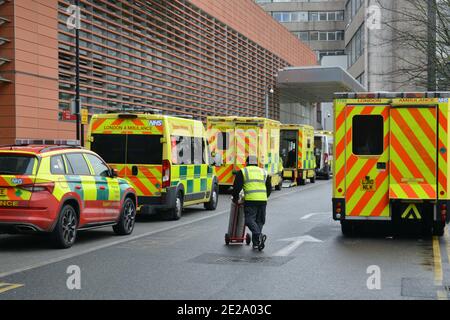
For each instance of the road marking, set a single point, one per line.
(437, 262)
(442, 295)
(9, 286)
(314, 214)
(132, 238)
(295, 243)
(447, 243)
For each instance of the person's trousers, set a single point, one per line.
(255, 218)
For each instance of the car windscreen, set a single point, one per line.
(144, 149)
(111, 147)
(16, 164)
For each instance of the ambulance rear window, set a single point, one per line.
(223, 140)
(367, 135)
(16, 164)
(144, 149)
(111, 147)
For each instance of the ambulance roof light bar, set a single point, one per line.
(27, 142)
(390, 95)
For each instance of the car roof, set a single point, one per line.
(38, 149)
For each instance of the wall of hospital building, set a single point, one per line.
(298, 113)
(180, 57)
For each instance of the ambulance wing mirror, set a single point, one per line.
(114, 173)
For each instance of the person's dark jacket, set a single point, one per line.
(239, 184)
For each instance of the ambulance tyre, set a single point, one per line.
(127, 218)
(175, 212)
(313, 179)
(301, 181)
(347, 228)
(65, 231)
(279, 185)
(438, 229)
(214, 199)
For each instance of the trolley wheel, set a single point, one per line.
(227, 239)
(248, 239)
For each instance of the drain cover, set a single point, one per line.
(211, 258)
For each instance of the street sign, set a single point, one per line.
(84, 116)
(68, 116)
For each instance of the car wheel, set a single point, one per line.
(65, 232)
(127, 218)
(213, 200)
(175, 213)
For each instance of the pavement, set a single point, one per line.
(306, 257)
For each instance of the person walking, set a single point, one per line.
(257, 187)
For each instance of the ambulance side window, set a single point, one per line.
(181, 150)
(198, 150)
(57, 165)
(367, 135)
(78, 164)
(223, 140)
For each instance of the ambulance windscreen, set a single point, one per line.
(367, 135)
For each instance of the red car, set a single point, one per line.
(60, 189)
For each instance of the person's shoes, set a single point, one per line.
(262, 240)
(255, 246)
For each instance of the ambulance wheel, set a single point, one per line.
(438, 229)
(248, 239)
(347, 228)
(65, 231)
(227, 239)
(213, 200)
(175, 213)
(301, 181)
(279, 186)
(127, 218)
(313, 179)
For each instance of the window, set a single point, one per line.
(100, 168)
(223, 140)
(198, 151)
(111, 147)
(78, 164)
(57, 165)
(181, 150)
(144, 149)
(367, 135)
(16, 165)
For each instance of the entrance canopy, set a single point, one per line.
(314, 84)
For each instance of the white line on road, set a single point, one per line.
(314, 214)
(132, 238)
(295, 243)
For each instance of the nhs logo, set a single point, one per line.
(443, 100)
(155, 123)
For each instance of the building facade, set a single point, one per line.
(376, 56)
(180, 57)
(319, 24)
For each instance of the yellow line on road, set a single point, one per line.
(437, 262)
(9, 286)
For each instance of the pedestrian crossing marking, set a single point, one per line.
(411, 212)
(9, 286)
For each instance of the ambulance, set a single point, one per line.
(166, 159)
(233, 139)
(391, 160)
(297, 152)
(323, 153)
